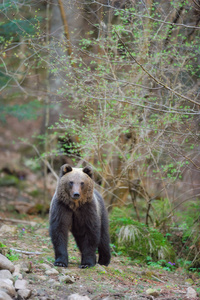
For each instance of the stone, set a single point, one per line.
(102, 270)
(53, 283)
(52, 271)
(5, 274)
(189, 281)
(56, 284)
(8, 281)
(67, 279)
(23, 294)
(17, 268)
(66, 271)
(17, 271)
(4, 296)
(21, 284)
(45, 266)
(7, 286)
(77, 297)
(152, 292)
(23, 207)
(8, 229)
(42, 277)
(6, 264)
(191, 293)
(26, 267)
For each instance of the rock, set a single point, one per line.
(8, 281)
(7, 286)
(23, 207)
(8, 229)
(189, 281)
(23, 294)
(6, 264)
(77, 297)
(152, 292)
(4, 296)
(56, 284)
(17, 268)
(21, 284)
(67, 279)
(66, 271)
(45, 266)
(53, 283)
(42, 277)
(5, 274)
(191, 293)
(26, 267)
(17, 273)
(102, 269)
(52, 271)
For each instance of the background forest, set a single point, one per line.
(113, 84)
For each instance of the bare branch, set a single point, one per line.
(155, 79)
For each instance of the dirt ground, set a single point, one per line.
(120, 280)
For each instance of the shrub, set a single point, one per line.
(136, 240)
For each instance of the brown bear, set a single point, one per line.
(77, 207)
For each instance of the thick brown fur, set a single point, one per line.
(77, 207)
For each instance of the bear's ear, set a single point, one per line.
(65, 169)
(88, 171)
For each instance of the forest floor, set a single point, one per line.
(120, 280)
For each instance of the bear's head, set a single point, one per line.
(75, 186)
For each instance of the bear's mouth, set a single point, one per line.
(76, 197)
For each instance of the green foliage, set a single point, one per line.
(2, 245)
(18, 28)
(137, 240)
(125, 99)
(185, 236)
(15, 28)
(28, 111)
(162, 264)
(13, 256)
(9, 180)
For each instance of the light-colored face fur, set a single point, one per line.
(75, 186)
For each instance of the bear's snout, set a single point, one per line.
(76, 195)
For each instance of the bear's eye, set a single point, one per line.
(82, 183)
(71, 183)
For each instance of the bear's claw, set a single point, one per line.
(84, 266)
(60, 264)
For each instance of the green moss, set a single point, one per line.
(34, 193)
(9, 180)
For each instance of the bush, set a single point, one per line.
(136, 240)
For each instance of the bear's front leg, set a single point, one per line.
(87, 240)
(60, 220)
(88, 257)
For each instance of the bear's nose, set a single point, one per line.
(76, 195)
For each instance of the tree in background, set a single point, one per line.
(118, 81)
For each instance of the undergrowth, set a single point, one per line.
(139, 242)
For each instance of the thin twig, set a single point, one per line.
(158, 279)
(155, 79)
(43, 160)
(18, 221)
(26, 252)
(151, 18)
